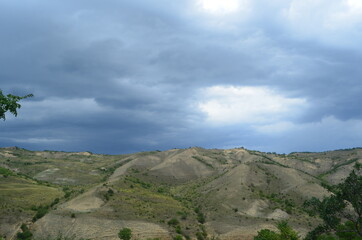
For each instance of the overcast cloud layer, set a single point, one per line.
(135, 75)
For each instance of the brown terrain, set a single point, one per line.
(226, 194)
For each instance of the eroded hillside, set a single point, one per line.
(229, 194)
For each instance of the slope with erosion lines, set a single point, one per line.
(237, 191)
(88, 227)
(92, 202)
(257, 193)
(157, 164)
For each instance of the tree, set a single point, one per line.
(25, 234)
(266, 234)
(286, 233)
(341, 212)
(125, 234)
(10, 103)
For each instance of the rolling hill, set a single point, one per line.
(194, 192)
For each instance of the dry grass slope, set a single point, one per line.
(229, 194)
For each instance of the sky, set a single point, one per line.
(122, 76)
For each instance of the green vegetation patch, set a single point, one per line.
(61, 167)
(140, 200)
(23, 194)
(6, 172)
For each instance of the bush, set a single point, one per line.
(41, 211)
(25, 234)
(5, 172)
(67, 194)
(201, 218)
(326, 237)
(178, 237)
(203, 231)
(183, 215)
(286, 233)
(200, 236)
(173, 222)
(266, 234)
(56, 201)
(197, 209)
(125, 234)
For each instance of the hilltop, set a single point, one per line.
(229, 194)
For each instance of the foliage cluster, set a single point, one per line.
(341, 212)
(10, 103)
(202, 234)
(285, 233)
(25, 234)
(200, 215)
(125, 234)
(6, 172)
(173, 222)
(40, 212)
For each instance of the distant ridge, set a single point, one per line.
(226, 193)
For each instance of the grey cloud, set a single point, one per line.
(144, 63)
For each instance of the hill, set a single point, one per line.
(195, 192)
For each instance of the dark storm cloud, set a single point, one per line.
(128, 76)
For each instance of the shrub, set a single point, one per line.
(67, 194)
(203, 231)
(200, 236)
(125, 234)
(201, 218)
(56, 201)
(326, 237)
(178, 237)
(286, 233)
(183, 215)
(41, 211)
(266, 234)
(5, 172)
(173, 222)
(25, 234)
